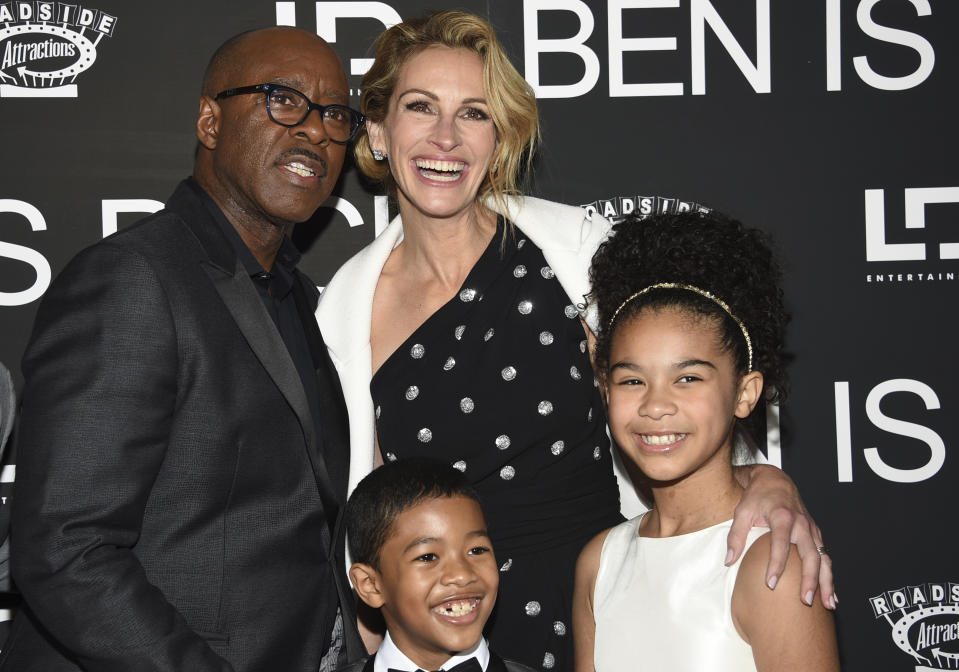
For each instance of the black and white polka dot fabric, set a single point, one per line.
(498, 384)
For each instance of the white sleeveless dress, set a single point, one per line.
(665, 603)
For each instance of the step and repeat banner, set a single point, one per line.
(830, 123)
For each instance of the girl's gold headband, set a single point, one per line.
(702, 292)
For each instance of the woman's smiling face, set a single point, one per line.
(438, 134)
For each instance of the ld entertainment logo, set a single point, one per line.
(922, 251)
(45, 45)
(924, 621)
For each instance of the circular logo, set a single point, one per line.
(43, 56)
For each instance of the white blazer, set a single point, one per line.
(568, 239)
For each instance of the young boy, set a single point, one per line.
(422, 556)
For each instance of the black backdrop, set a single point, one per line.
(831, 123)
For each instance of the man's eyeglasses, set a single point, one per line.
(288, 107)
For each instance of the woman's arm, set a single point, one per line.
(785, 635)
(772, 500)
(584, 626)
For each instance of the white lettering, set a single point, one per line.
(286, 14)
(110, 208)
(618, 45)
(45, 11)
(25, 254)
(758, 76)
(328, 12)
(877, 249)
(773, 436)
(937, 448)
(927, 56)
(86, 17)
(105, 25)
(833, 45)
(534, 46)
(843, 432)
(916, 200)
(353, 216)
(898, 599)
(879, 605)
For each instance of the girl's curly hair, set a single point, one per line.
(711, 252)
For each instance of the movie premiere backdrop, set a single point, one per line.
(830, 123)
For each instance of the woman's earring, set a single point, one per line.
(378, 154)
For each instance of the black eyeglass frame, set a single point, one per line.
(357, 118)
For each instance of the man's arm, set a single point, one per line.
(98, 405)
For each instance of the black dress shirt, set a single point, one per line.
(275, 287)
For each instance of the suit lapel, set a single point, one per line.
(236, 290)
(328, 439)
(240, 297)
(334, 426)
(331, 461)
(233, 284)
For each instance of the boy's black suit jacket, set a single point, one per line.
(172, 496)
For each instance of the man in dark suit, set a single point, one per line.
(183, 450)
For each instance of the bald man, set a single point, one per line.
(183, 451)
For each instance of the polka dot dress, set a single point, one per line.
(498, 384)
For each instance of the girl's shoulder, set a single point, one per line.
(591, 557)
(756, 604)
(751, 575)
(785, 633)
(592, 552)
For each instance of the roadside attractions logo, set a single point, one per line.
(618, 207)
(45, 45)
(924, 621)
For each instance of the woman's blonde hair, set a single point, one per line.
(511, 101)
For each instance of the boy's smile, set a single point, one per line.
(437, 579)
(458, 611)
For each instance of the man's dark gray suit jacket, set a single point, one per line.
(172, 492)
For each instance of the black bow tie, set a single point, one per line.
(468, 665)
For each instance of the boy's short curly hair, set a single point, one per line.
(390, 490)
(711, 252)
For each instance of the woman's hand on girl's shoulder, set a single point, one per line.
(772, 500)
(785, 634)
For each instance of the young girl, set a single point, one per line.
(693, 324)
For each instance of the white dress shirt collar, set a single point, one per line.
(390, 657)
